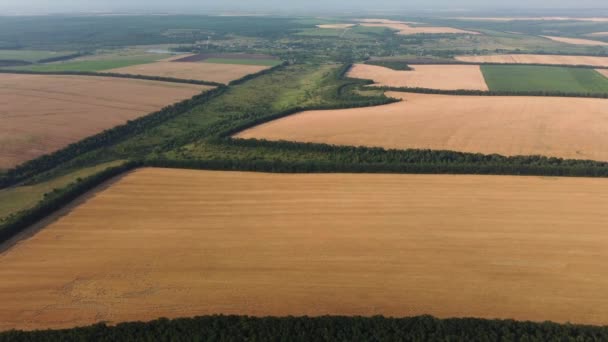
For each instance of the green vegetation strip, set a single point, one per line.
(526, 78)
(329, 328)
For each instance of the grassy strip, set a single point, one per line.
(328, 328)
(465, 92)
(112, 74)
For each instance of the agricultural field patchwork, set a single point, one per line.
(45, 113)
(398, 245)
(537, 59)
(445, 77)
(550, 126)
(544, 78)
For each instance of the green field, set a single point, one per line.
(544, 78)
(30, 55)
(263, 62)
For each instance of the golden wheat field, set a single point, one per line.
(173, 243)
(538, 59)
(574, 128)
(41, 113)
(212, 72)
(445, 77)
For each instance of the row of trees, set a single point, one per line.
(495, 92)
(103, 139)
(327, 328)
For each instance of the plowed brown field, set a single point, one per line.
(538, 59)
(445, 77)
(221, 73)
(176, 243)
(558, 127)
(577, 41)
(41, 114)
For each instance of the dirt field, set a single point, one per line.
(41, 114)
(405, 28)
(176, 243)
(538, 59)
(599, 34)
(577, 41)
(222, 73)
(335, 26)
(603, 72)
(558, 127)
(446, 77)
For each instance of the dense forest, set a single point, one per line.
(330, 328)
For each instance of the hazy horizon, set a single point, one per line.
(277, 6)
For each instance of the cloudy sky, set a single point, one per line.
(48, 6)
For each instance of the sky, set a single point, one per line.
(190, 6)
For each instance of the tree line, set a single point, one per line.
(325, 328)
(471, 92)
(105, 138)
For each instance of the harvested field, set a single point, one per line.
(538, 59)
(336, 26)
(204, 56)
(405, 28)
(222, 73)
(558, 127)
(576, 41)
(41, 114)
(445, 77)
(176, 243)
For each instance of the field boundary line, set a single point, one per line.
(111, 74)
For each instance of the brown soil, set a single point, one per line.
(445, 77)
(222, 73)
(558, 127)
(538, 59)
(175, 243)
(41, 114)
